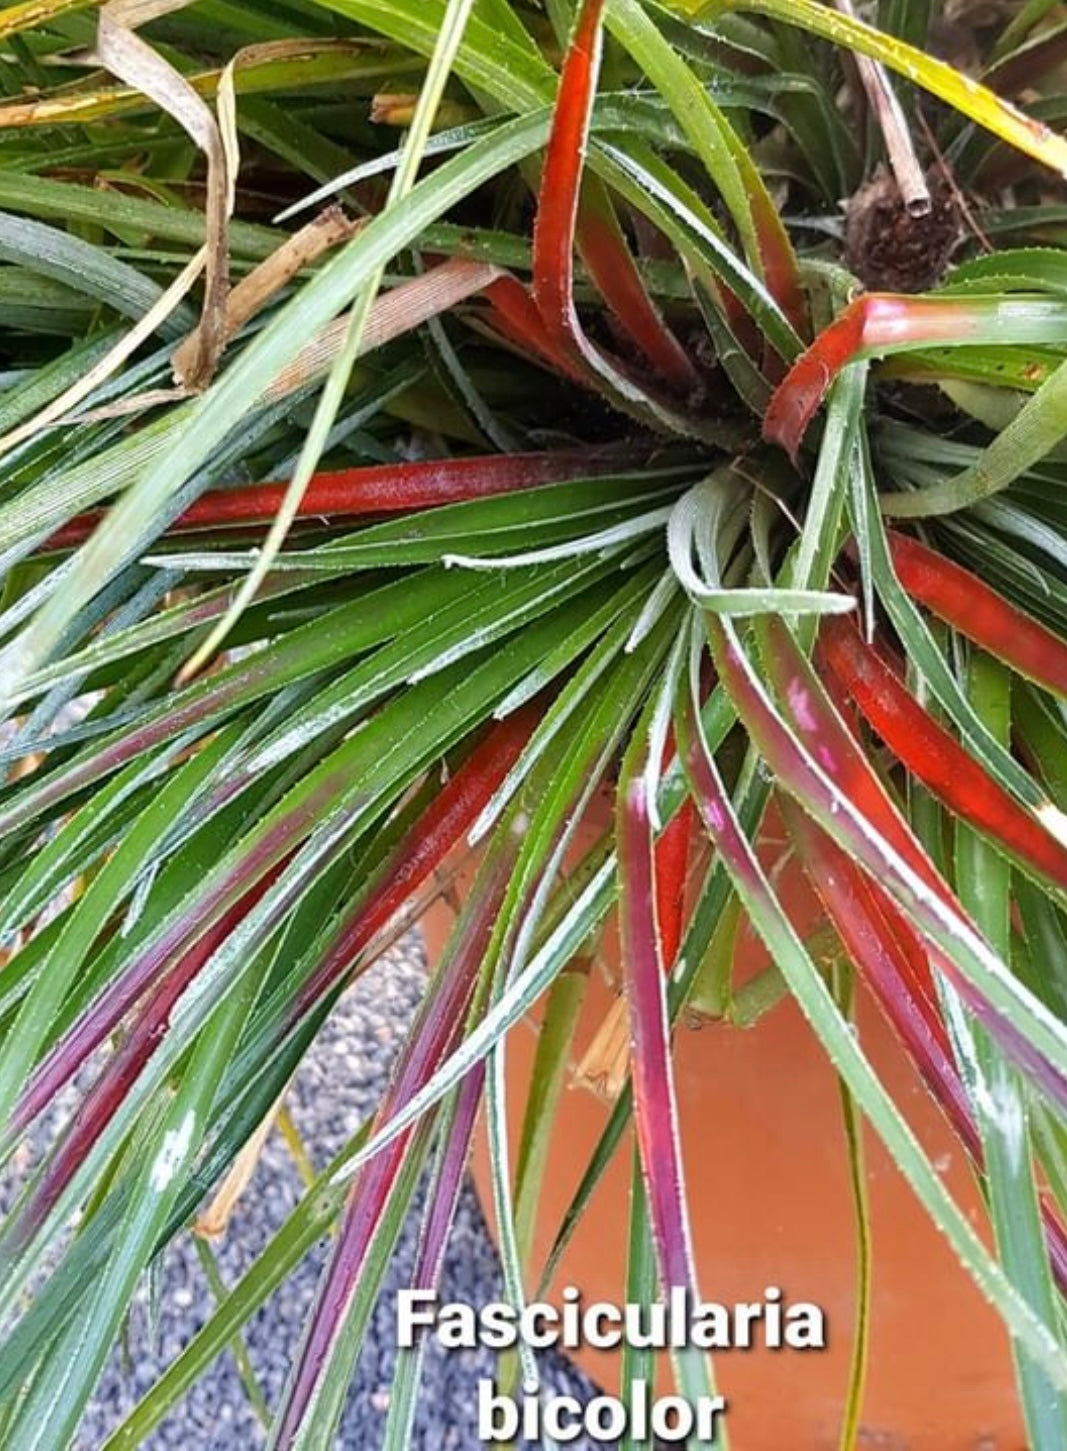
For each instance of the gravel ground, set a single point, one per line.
(338, 1083)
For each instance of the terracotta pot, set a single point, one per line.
(767, 1174)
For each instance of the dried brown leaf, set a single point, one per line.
(605, 1066)
(404, 308)
(266, 280)
(135, 62)
(213, 1222)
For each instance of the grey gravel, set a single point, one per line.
(338, 1083)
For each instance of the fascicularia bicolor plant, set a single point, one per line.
(696, 517)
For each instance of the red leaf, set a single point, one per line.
(121, 1071)
(565, 213)
(655, 1103)
(517, 317)
(816, 766)
(932, 755)
(966, 603)
(877, 321)
(603, 248)
(888, 954)
(437, 1031)
(884, 948)
(671, 867)
(396, 488)
(437, 831)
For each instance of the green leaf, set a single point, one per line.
(999, 1094)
